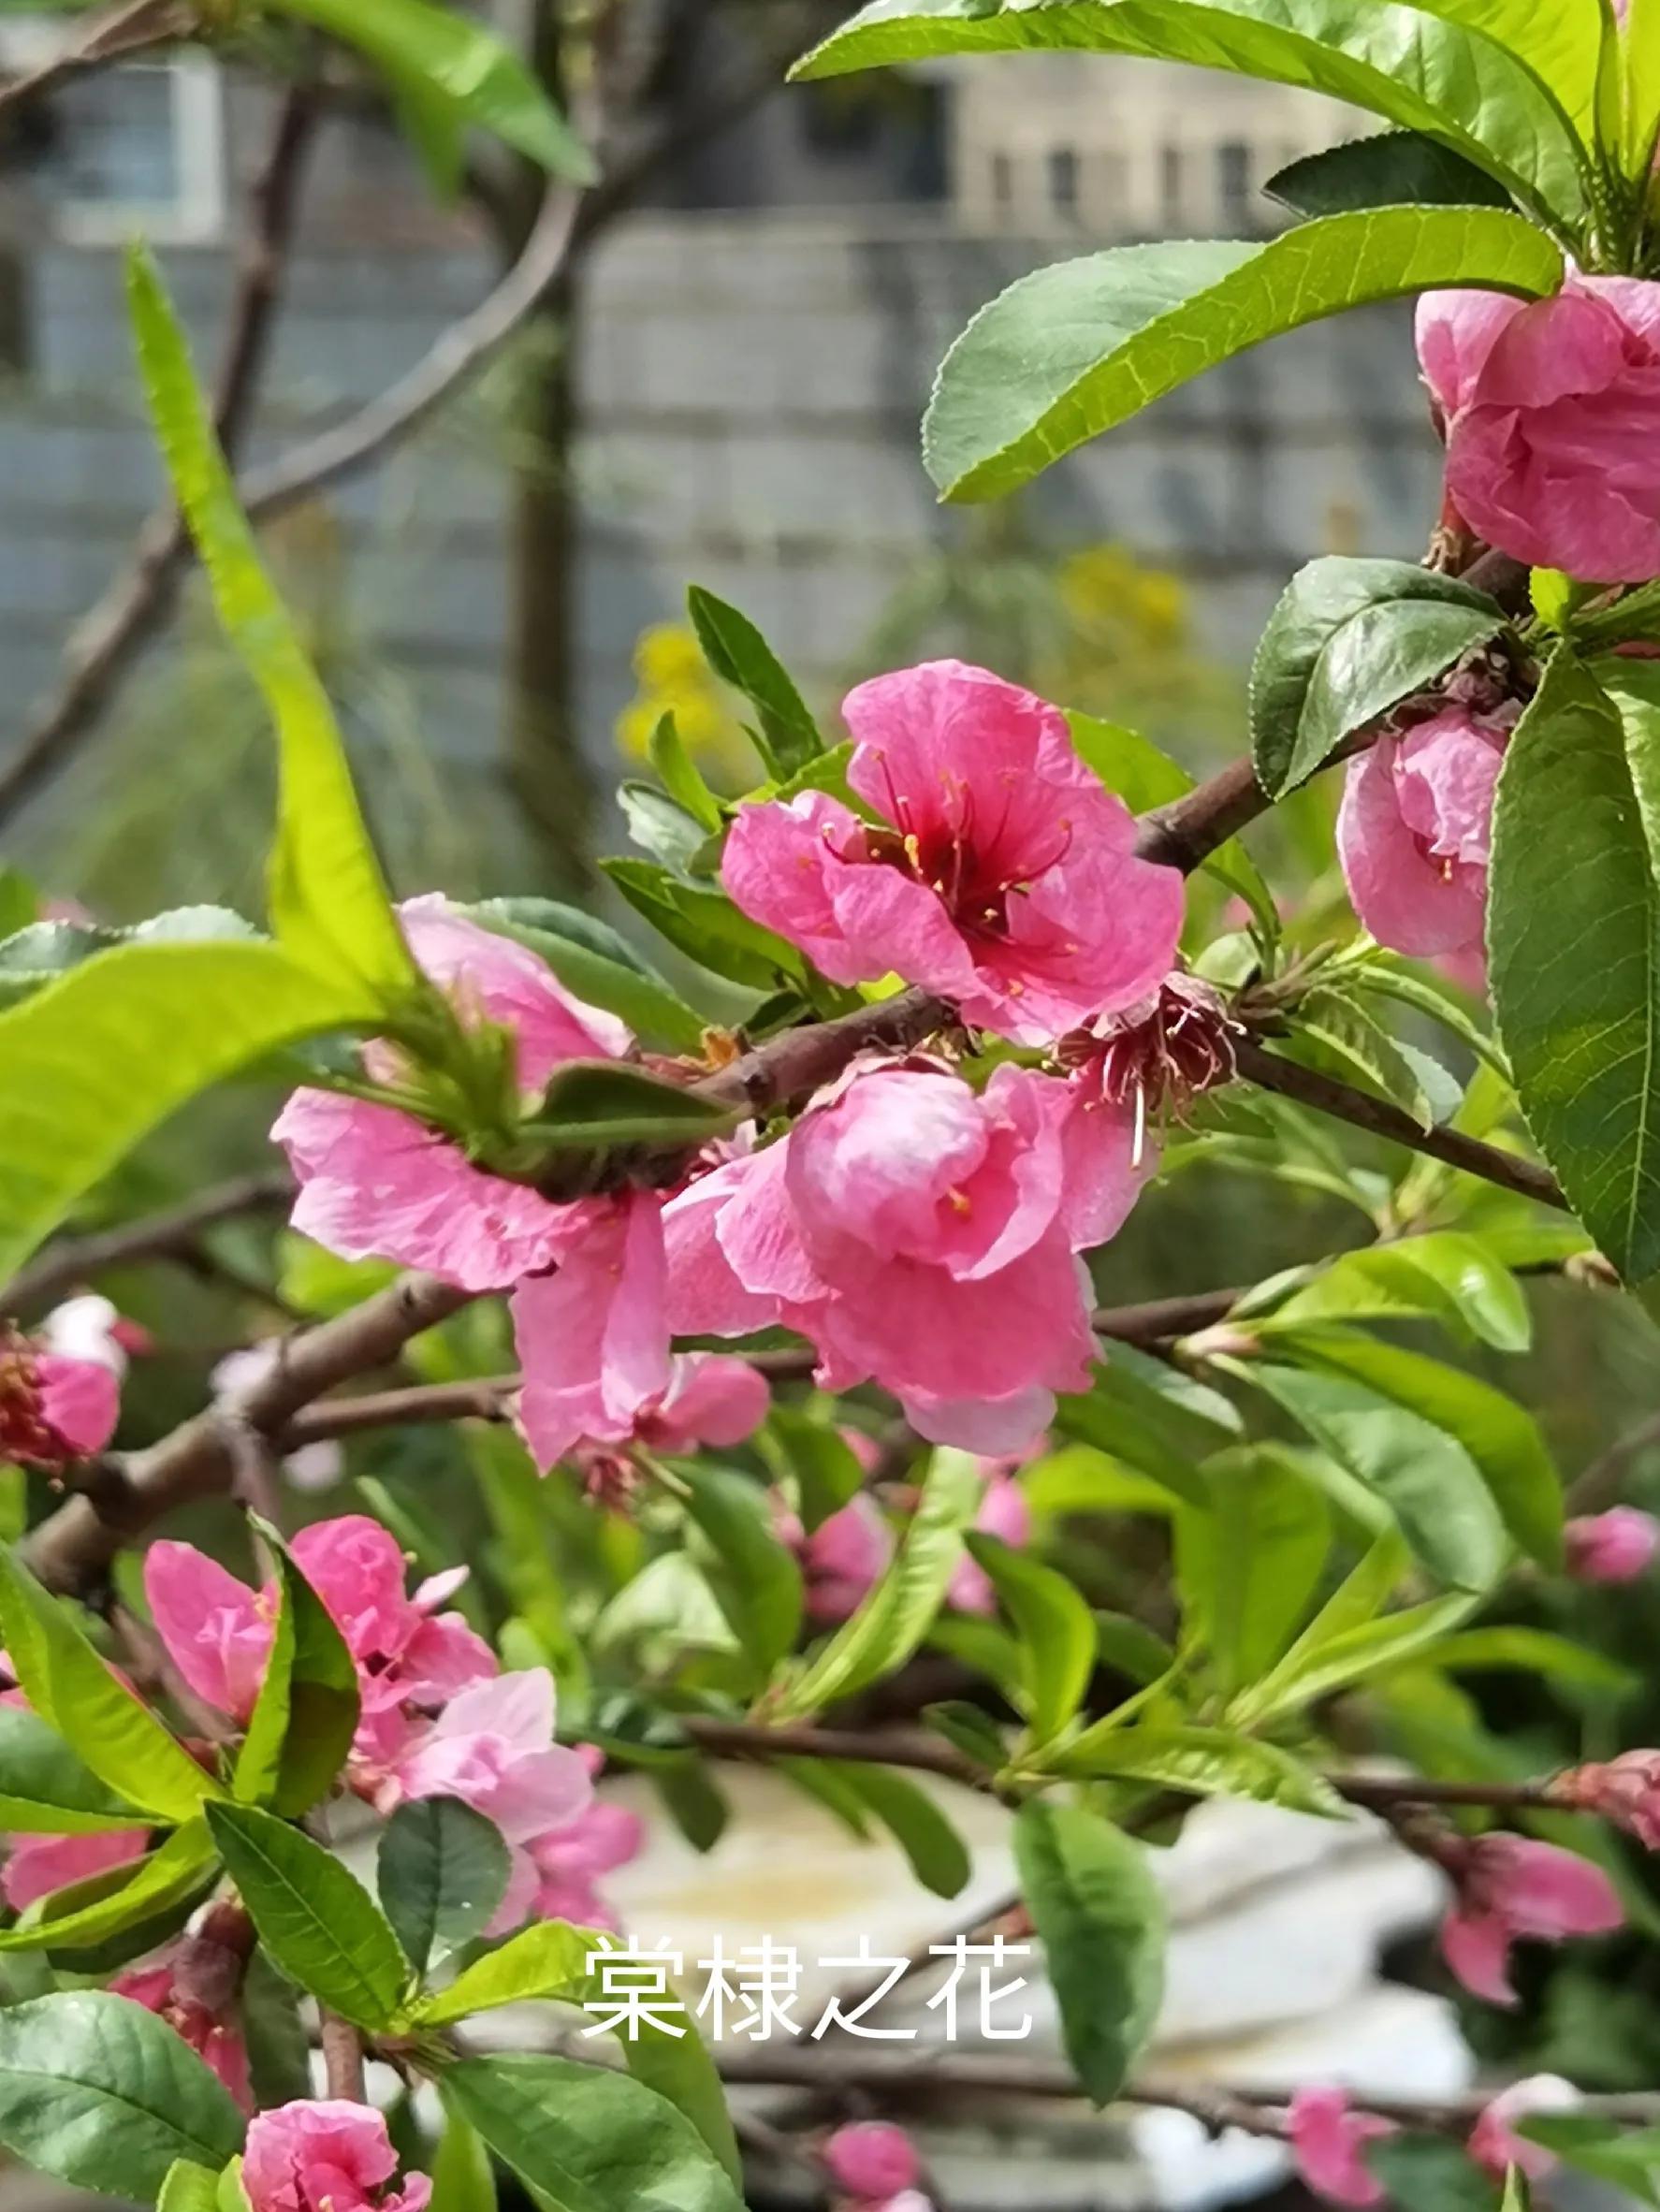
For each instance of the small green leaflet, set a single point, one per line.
(306, 1713)
(740, 656)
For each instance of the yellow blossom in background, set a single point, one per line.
(672, 677)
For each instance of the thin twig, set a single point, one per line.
(138, 603)
(174, 1233)
(1272, 1071)
(342, 2058)
(1600, 1482)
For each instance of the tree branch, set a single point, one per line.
(173, 1234)
(1272, 1072)
(138, 602)
(342, 2057)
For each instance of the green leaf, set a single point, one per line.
(1444, 1276)
(601, 967)
(1429, 1482)
(1322, 1662)
(442, 1873)
(1627, 2158)
(100, 1057)
(105, 2096)
(1204, 1762)
(704, 924)
(1348, 640)
(682, 778)
(1574, 936)
(327, 897)
(1426, 2172)
(1501, 1438)
(1436, 76)
(1248, 1565)
(31, 958)
(660, 825)
(460, 64)
(682, 2069)
(463, 2179)
(740, 656)
(74, 1691)
(937, 1856)
(1399, 168)
(548, 1959)
(1072, 350)
(807, 1445)
(586, 2140)
(46, 1790)
(1101, 1921)
(1535, 1651)
(188, 2188)
(86, 1915)
(604, 1102)
(894, 1617)
(314, 1917)
(755, 1580)
(306, 1713)
(1055, 1628)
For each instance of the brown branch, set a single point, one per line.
(876, 1747)
(1599, 1483)
(1307, 1087)
(342, 2057)
(173, 1234)
(1382, 1792)
(138, 603)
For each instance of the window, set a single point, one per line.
(136, 146)
(1063, 181)
(1172, 175)
(1002, 183)
(1234, 184)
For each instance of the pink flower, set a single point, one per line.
(921, 1236)
(377, 1184)
(1004, 1514)
(1003, 874)
(194, 1985)
(570, 1859)
(326, 2155)
(37, 1865)
(1510, 1887)
(218, 1632)
(492, 1746)
(712, 1399)
(872, 2160)
(1552, 412)
(53, 1408)
(1627, 1791)
(1494, 2140)
(593, 1337)
(1414, 833)
(843, 1559)
(1618, 1546)
(1329, 2140)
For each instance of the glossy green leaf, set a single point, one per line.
(460, 64)
(188, 2188)
(1055, 1629)
(1626, 2158)
(937, 1856)
(46, 1790)
(105, 2096)
(329, 900)
(32, 958)
(1559, 44)
(681, 2068)
(1072, 350)
(702, 923)
(740, 656)
(1500, 1436)
(1348, 640)
(1249, 1564)
(1444, 1276)
(755, 1578)
(85, 1915)
(1440, 78)
(1204, 1763)
(306, 1713)
(548, 1960)
(586, 2140)
(1396, 169)
(600, 967)
(74, 1691)
(1100, 1918)
(1429, 1482)
(102, 1057)
(681, 776)
(660, 825)
(314, 1917)
(894, 1617)
(1320, 1663)
(463, 2179)
(605, 1102)
(442, 1873)
(1574, 942)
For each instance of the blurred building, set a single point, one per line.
(756, 349)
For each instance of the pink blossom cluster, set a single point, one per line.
(60, 1388)
(1330, 2137)
(326, 2155)
(921, 1233)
